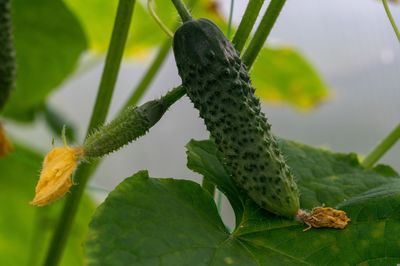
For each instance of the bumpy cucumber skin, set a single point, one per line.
(7, 54)
(218, 84)
(133, 123)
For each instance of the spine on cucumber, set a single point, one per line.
(7, 54)
(131, 124)
(218, 84)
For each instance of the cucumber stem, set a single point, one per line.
(391, 19)
(382, 148)
(174, 95)
(262, 32)
(182, 10)
(106, 88)
(247, 23)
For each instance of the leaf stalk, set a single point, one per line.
(382, 148)
(263, 31)
(99, 114)
(182, 10)
(391, 19)
(247, 23)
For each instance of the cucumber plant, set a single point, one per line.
(7, 54)
(274, 186)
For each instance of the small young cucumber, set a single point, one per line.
(133, 123)
(218, 84)
(7, 54)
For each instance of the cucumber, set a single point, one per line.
(7, 54)
(218, 84)
(131, 124)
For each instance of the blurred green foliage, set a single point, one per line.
(49, 41)
(25, 230)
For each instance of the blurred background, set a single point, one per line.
(350, 44)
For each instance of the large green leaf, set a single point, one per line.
(25, 230)
(284, 75)
(49, 41)
(323, 177)
(147, 221)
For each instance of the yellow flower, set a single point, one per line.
(5, 144)
(324, 217)
(56, 175)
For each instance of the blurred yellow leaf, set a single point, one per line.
(282, 75)
(97, 17)
(210, 9)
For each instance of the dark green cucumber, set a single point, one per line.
(218, 84)
(7, 54)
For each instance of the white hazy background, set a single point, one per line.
(350, 43)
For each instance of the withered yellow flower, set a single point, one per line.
(324, 217)
(5, 144)
(56, 175)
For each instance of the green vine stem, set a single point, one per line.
(228, 33)
(65, 221)
(174, 95)
(182, 10)
(262, 32)
(105, 92)
(391, 19)
(247, 23)
(382, 148)
(113, 62)
(36, 242)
